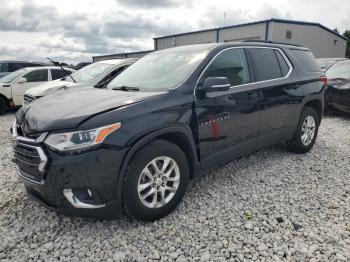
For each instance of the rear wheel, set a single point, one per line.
(306, 133)
(155, 181)
(3, 105)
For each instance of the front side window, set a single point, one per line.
(160, 71)
(266, 65)
(37, 76)
(230, 63)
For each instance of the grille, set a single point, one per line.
(30, 161)
(28, 99)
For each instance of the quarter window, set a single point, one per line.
(232, 64)
(37, 76)
(266, 64)
(283, 64)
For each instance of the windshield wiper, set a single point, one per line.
(64, 70)
(126, 88)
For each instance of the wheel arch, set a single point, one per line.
(179, 135)
(316, 104)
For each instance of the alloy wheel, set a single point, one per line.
(308, 130)
(158, 182)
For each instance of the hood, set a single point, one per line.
(48, 88)
(66, 110)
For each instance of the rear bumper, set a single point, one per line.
(96, 172)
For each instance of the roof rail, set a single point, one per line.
(269, 42)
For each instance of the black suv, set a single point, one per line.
(132, 147)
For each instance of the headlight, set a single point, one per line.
(80, 139)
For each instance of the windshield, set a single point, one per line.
(159, 71)
(4, 67)
(12, 76)
(90, 72)
(339, 70)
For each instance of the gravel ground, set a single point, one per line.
(270, 206)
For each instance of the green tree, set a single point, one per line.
(347, 35)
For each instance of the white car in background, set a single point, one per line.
(97, 74)
(14, 85)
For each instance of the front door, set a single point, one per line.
(227, 121)
(34, 78)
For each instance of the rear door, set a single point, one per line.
(227, 121)
(34, 78)
(280, 97)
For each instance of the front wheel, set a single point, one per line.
(155, 181)
(306, 133)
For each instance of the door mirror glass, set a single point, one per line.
(22, 80)
(216, 84)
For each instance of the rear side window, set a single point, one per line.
(307, 60)
(58, 73)
(283, 64)
(37, 76)
(231, 63)
(266, 65)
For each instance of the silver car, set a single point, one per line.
(97, 74)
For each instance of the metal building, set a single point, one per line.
(322, 41)
(121, 56)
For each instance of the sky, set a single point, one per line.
(74, 30)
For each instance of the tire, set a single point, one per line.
(299, 144)
(142, 172)
(3, 106)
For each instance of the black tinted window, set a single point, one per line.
(37, 76)
(15, 66)
(232, 64)
(306, 60)
(283, 64)
(58, 73)
(266, 65)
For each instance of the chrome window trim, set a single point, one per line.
(251, 83)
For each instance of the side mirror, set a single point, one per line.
(22, 80)
(216, 84)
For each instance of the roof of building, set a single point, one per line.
(117, 61)
(122, 54)
(285, 21)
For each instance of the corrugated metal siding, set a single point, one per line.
(196, 38)
(119, 56)
(165, 43)
(188, 39)
(321, 42)
(256, 32)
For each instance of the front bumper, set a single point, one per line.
(66, 178)
(338, 99)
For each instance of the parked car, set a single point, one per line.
(326, 63)
(13, 85)
(96, 75)
(132, 147)
(338, 91)
(7, 67)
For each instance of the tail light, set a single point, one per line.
(324, 80)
